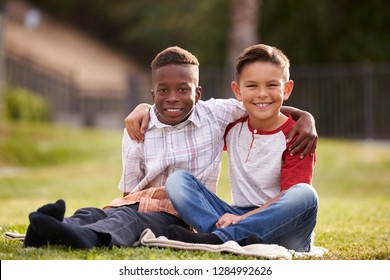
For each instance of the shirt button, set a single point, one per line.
(255, 131)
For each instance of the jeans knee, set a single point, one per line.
(91, 211)
(175, 181)
(307, 193)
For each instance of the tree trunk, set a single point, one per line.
(244, 21)
(244, 27)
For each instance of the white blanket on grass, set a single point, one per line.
(268, 251)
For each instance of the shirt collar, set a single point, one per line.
(154, 122)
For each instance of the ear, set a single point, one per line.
(288, 87)
(152, 93)
(236, 90)
(198, 93)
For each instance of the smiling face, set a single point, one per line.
(262, 87)
(175, 92)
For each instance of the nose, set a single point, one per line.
(261, 93)
(172, 96)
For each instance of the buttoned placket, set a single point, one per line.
(252, 145)
(173, 142)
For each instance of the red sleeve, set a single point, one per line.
(296, 170)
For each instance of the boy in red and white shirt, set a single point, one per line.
(273, 200)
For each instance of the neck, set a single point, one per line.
(268, 124)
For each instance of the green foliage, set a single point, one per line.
(141, 29)
(23, 105)
(326, 31)
(309, 31)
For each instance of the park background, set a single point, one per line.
(72, 70)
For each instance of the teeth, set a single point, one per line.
(262, 104)
(173, 110)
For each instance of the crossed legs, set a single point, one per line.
(93, 227)
(46, 226)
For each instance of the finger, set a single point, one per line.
(291, 134)
(133, 134)
(298, 140)
(306, 150)
(144, 126)
(310, 148)
(226, 223)
(138, 136)
(314, 147)
(133, 128)
(299, 146)
(220, 222)
(136, 129)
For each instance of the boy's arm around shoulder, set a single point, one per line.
(226, 111)
(295, 170)
(305, 128)
(137, 122)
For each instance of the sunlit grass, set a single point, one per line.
(84, 167)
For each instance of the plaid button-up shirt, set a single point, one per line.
(194, 145)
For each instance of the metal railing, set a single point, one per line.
(347, 101)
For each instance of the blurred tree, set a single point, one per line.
(243, 30)
(140, 29)
(326, 31)
(309, 31)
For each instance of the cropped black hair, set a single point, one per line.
(173, 55)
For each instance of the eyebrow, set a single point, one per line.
(181, 84)
(273, 81)
(255, 82)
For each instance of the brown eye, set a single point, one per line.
(183, 90)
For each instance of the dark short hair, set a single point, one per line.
(263, 53)
(173, 55)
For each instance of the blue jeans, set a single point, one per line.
(288, 222)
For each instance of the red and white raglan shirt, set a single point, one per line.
(260, 165)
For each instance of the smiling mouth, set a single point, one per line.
(262, 105)
(173, 110)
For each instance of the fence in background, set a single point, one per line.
(347, 101)
(69, 103)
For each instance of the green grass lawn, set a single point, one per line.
(41, 163)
